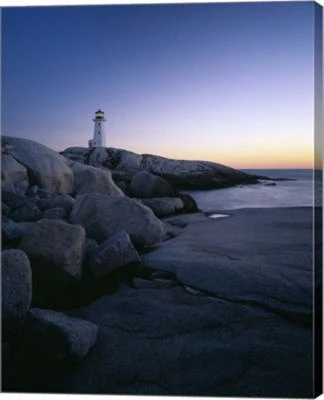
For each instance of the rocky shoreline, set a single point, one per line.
(113, 281)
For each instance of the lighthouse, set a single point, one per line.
(99, 130)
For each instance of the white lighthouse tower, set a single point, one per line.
(99, 130)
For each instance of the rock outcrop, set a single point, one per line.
(181, 174)
(194, 175)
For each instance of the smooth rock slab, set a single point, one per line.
(103, 215)
(169, 342)
(262, 256)
(16, 285)
(115, 252)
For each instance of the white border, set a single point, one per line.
(17, 3)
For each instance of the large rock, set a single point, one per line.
(14, 173)
(147, 185)
(59, 334)
(45, 167)
(55, 248)
(16, 284)
(113, 253)
(89, 179)
(103, 215)
(163, 206)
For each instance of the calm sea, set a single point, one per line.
(298, 192)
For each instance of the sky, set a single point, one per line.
(226, 82)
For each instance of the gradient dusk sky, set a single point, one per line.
(226, 82)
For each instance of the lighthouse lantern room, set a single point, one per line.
(98, 139)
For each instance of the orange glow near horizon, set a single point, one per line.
(296, 157)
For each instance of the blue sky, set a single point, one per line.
(231, 83)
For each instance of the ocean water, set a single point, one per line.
(298, 192)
